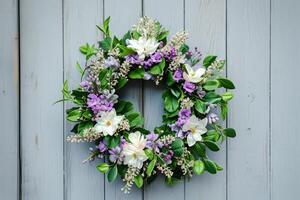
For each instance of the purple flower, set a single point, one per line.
(99, 103)
(133, 59)
(102, 146)
(189, 87)
(168, 157)
(111, 62)
(178, 75)
(152, 142)
(156, 57)
(170, 55)
(184, 113)
(85, 85)
(212, 118)
(201, 93)
(115, 155)
(122, 142)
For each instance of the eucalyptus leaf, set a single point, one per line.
(112, 174)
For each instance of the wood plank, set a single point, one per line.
(206, 23)
(248, 65)
(9, 98)
(123, 16)
(153, 104)
(83, 181)
(41, 80)
(285, 98)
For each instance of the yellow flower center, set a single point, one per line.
(108, 123)
(193, 130)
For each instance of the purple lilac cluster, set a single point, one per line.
(153, 143)
(115, 154)
(183, 116)
(171, 54)
(99, 103)
(150, 61)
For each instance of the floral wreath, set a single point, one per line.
(175, 149)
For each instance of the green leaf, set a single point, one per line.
(106, 44)
(177, 147)
(199, 150)
(163, 35)
(210, 166)
(212, 97)
(138, 73)
(211, 85)
(171, 103)
(149, 153)
(138, 180)
(227, 96)
(219, 167)
(84, 125)
(184, 48)
(159, 68)
(78, 67)
(87, 50)
(209, 60)
(200, 106)
(112, 141)
(224, 110)
(211, 145)
(112, 174)
(212, 135)
(104, 77)
(229, 132)
(105, 28)
(124, 107)
(199, 167)
(73, 115)
(124, 51)
(226, 83)
(170, 81)
(103, 167)
(151, 166)
(135, 119)
(121, 83)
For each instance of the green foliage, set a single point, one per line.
(112, 174)
(105, 28)
(199, 167)
(103, 167)
(212, 145)
(137, 73)
(151, 166)
(177, 147)
(138, 180)
(159, 68)
(226, 83)
(88, 50)
(229, 132)
(171, 103)
(209, 60)
(211, 85)
(200, 106)
(210, 166)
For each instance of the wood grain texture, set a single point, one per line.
(153, 103)
(205, 20)
(123, 15)
(41, 80)
(248, 42)
(285, 98)
(9, 98)
(82, 181)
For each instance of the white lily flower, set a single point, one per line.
(108, 123)
(134, 151)
(193, 76)
(196, 128)
(143, 46)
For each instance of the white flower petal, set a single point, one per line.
(190, 140)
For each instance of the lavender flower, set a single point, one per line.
(111, 62)
(170, 54)
(212, 118)
(189, 87)
(99, 103)
(201, 93)
(133, 59)
(168, 157)
(178, 75)
(116, 155)
(102, 146)
(85, 85)
(152, 142)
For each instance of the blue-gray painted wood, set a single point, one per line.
(41, 79)
(9, 100)
(82, 181)
(123, 15)
(285, 98)
(153, 103)
(248, 65)
(206, 23)
(262, 50)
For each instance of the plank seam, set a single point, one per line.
(64, 105)
(226, 122)
(19, 181)
(270, 103)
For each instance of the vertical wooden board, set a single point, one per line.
(83, 181)
(9, 98)
(123, 15)
(248, 53)
(205, 20)
(41, 79)
(170, 14)
(285, 98)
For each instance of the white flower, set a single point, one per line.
(143, 46)
(193, 76)
(108, 123)
(133, 151)
(196, 128)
